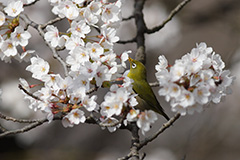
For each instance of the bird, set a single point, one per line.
(146, 97)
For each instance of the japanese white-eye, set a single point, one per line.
(146, 98)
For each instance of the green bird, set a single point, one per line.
(146, 98)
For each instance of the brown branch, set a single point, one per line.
(169, 18)
(8, 118)
(55, 20)
(35, 123)
(24, 129)
(28, 22)
(28, 93)
(127, 41)
(141, 29)
(91, 90)
(134, 154)
(161, 130)
(28, 127)
(128, 18)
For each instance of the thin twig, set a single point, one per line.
(28, 127)
(8, 118)
(128, 18)
(91, 90)
(127, 41)
(60, 48)
(24, 129)
(161, 130)
(169, 18)
(57, 19)
(28, 22)
(28, 93)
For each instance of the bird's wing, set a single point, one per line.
(145, 92)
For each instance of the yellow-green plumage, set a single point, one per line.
(147, 99)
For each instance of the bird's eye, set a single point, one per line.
(134, 65)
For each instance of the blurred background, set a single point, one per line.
(213, 134)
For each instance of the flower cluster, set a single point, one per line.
(13, 34)
(59, 95)
(117, 98)
(121, 100)
(194, 80)
(92, 62)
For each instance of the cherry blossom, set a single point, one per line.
(14, 8)
(38, 67)
(195, 80)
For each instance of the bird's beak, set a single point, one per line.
(130, 59)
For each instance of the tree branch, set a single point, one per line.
(26, 92)
(127, 41)
(51, 22)
(134, 154)
(161, 130)
(8, 118)
(169, 18)
(141, 29)
(128, 18)
(24, 129)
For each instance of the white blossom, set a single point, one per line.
(14, 8)
(132, 115)
(124, 58)
(110, 13)
(52, 35)
(145, 119)
(76, 116)
(95, 50)
(73, 42)
(110, 123)
(102, 74)
(20, 36)
(2, 18)
(79, 29)
(38, 67)
(90, 17)
(78, 56)
(8, 48)
(109, 35)
(162, 64)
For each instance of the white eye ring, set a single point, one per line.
(134, 65)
